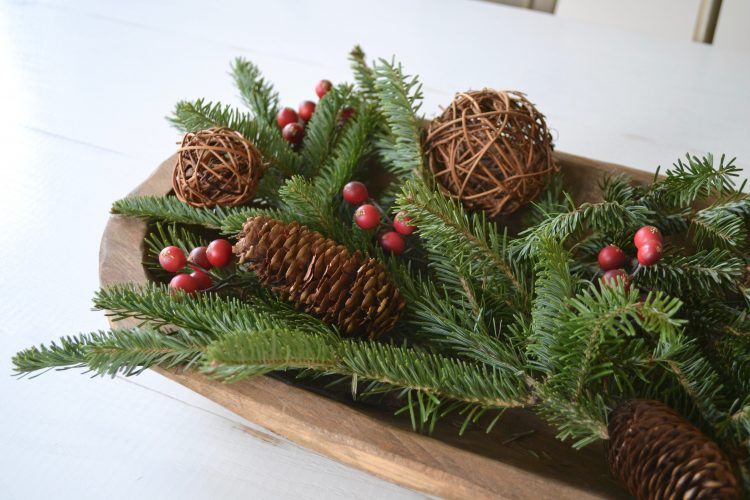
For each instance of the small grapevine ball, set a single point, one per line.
(286, 116)
(355, 192)
(323, 87)
(401, 223)
(219, 253)
(172, 259)
(217, 167)
(649, 253)
(293, 133)
(199, 258)
(367, 216)
(393, 243)
(647, 234)
(306, 110)
(183, 282)
(612, 257)
(611, 277)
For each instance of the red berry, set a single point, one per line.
(612, 257)
(202, 280)
(611, 277)
(198, 257)
(647, 234)
(286, 116)
(183, 282)
(401, 223)
(306, 110)
(323, 87)
(392, 242)
(355, 193)
(172, 259)
(345, 114)
(367, 217)
(219, 253)
(649, 253)
(293, 133)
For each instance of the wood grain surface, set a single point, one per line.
(520, 458)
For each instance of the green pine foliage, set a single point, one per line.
(492, 321)
(399, 98)
(256, 92)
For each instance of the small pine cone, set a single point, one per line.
(319, 276)
(656, 453)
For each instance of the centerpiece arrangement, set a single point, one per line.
(442, 264)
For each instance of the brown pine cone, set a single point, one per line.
(656, 453)
(319, 276)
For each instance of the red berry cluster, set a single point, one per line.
(217, 254)
(292, 123)
(612, 259)
(367, 216)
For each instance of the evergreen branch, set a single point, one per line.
(257, 93)
(584, 422)
(433, 374)
(315, 210)
(170, 209)
(681, 358)
(436, 316)
(250, 354)
(619, 188)
(718, 228)
(363, 73)
(209, 314)
(352, 149)
(126, 351)
(594, 332)
(553, 288)
(245, 355)
(228, 220)
(198, 115)
(448, 231)
(696, 179)
(704, 273)
(606, 216)
(399, 98)
(322, 132)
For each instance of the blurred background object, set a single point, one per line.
(721, 22)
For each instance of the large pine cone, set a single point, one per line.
(319, 276)
(659, 454)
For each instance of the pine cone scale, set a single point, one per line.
(320, 277)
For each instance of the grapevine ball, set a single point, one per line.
(491, 150)
(217, 167)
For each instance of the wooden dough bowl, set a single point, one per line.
(520, 458)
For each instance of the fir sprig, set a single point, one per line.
(435, 382)
(448, 231)
(714, 272)
(256, 92)
(695, 179)
(399, 97)
(125, 351)
(323, 130)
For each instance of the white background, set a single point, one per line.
(84, 87)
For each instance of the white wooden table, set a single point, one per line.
(85, 86)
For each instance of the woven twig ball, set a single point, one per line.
(217, 166)
(656, 453)
(491, 150)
